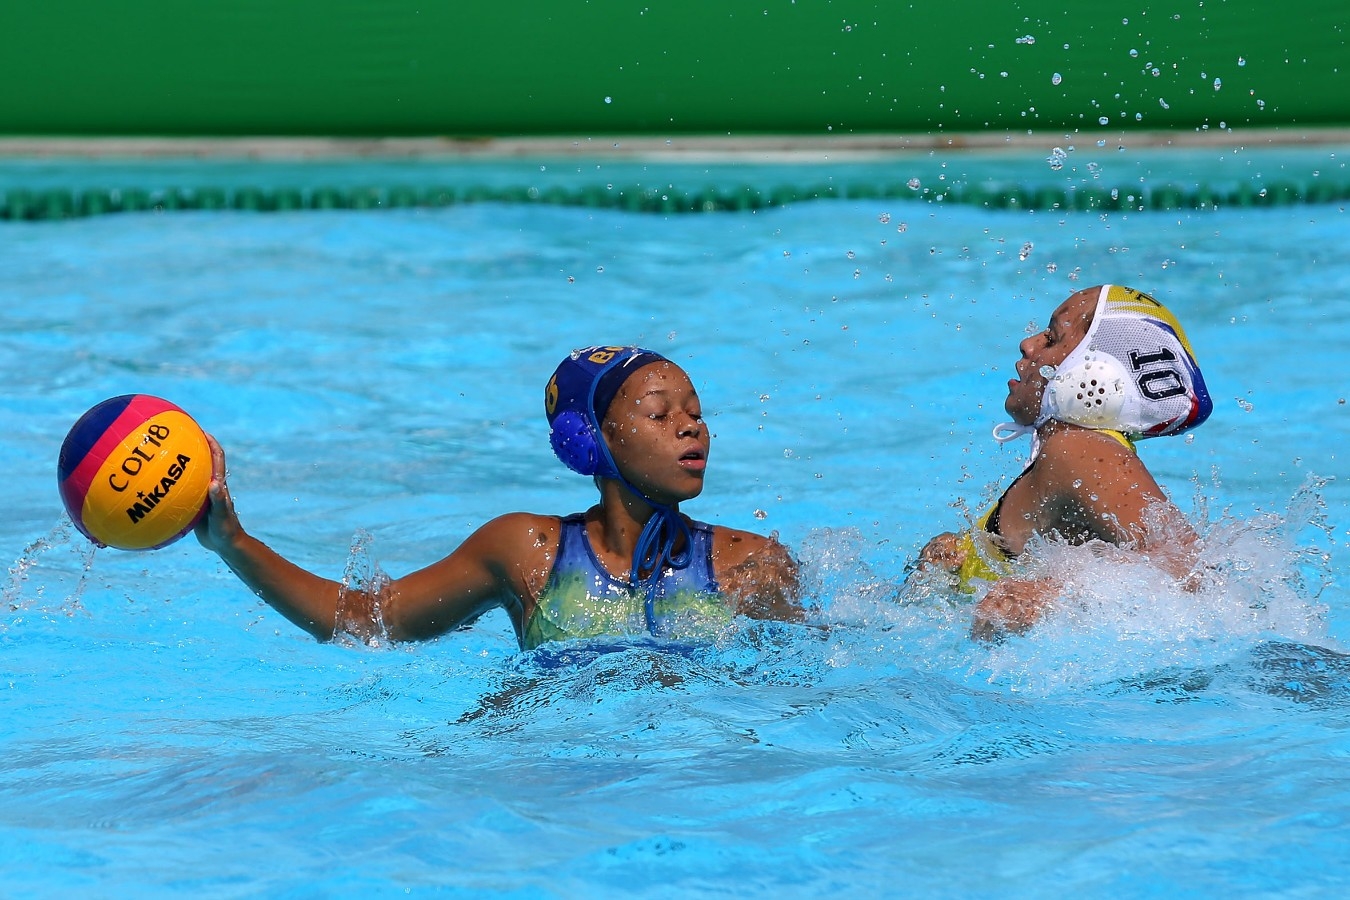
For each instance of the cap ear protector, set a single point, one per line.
(578, 443)
(1092, 394)
(577, 396)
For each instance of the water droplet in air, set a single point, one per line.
(1134, 53)
(1047, 371)
(761, 514)
(884, 218)
(1025, 251)
(1103, 120)
(914, 184)
(1026, 39)
(852, 255)
(1241, 61)
(1218, 83)
(1056, 78)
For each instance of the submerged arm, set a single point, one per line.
(1088, 487)
(759, 574)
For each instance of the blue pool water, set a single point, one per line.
(377, 378)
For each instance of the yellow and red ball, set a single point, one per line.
(133, 473)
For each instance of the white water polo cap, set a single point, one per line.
(1133, 372)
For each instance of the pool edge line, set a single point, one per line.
(758, 148)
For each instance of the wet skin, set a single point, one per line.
(1083, 485)
(656, 433)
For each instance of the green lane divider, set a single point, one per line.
(57, 203)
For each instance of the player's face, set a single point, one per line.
(1067, 327)
(656, 433)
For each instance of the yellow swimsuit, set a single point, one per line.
(984, 559)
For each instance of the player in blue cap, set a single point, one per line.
(632, 565)
(1112, 368)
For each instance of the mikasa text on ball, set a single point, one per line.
(133, 473)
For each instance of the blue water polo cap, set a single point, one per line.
(577, 398)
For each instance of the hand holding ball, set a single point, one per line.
(133, 473)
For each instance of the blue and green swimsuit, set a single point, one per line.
(582, 600)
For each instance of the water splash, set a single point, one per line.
(360, 613)
(1120, 613)
(46, 551)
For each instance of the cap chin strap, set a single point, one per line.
(1011, 431)
(655, 550)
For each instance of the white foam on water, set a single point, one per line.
(1119, 613)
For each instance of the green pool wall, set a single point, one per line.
(716, 67)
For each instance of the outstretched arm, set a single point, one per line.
(421, 605)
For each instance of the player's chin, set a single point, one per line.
(690, 486)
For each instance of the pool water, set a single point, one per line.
(376, 379)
